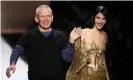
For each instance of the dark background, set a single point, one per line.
(18, 16)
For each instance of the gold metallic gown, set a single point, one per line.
(88, 63)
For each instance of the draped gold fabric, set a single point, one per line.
(88, 63)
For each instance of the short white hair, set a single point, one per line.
(44, 6)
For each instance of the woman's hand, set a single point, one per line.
(75, 34)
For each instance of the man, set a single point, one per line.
(43, 46)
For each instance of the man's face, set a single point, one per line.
(44, 17)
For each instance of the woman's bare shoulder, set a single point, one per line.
(104, 34)
(85, 29)
(84, 32)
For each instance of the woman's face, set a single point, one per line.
(100, 20)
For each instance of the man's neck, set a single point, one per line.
(44, 30)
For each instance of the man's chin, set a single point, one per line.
(46, 27)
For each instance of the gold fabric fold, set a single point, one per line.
(79, 69)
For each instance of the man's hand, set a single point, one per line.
(10, 69)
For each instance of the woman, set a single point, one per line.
(89, 50)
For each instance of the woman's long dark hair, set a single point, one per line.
(100, 9)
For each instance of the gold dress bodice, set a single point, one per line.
(88, 63)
